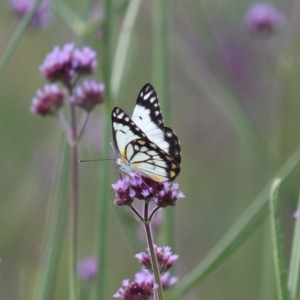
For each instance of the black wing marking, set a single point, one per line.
(174, 144)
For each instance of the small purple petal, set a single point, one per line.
(87, 268)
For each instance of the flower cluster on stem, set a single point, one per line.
(156, 263)
(67, 66)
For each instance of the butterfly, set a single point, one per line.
(144, 145)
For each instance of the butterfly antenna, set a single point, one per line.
(86, 160)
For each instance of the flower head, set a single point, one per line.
(47, 101)
(144, 188)
(124, 194)
(143, 286)
(165, 259)
(140, 289)
(63, 64)
(58, 65)
(168, 196)
(87, 268)
(264, 18)
(42, 17)
(89, 94)
(84, 60)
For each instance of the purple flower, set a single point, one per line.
(89, 94)
(264, 18)
(47, 101)
(165, 259)
(124, 194)
(84, 60)
(143, 286)
(140, 289)
(144, 188)
(42, 17)
(63, 64)
(58, 65)
(168, 196)
(87, 268)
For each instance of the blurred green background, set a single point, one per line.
(235, 108)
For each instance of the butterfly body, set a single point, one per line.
(142, 142)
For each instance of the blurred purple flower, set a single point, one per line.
(87, 268)
(165, 259)
(167, 280)
(264, 18)
(63, 64)
(58, 64)
(89, 94)
(296, 214)
(42, 17)
(47, 101)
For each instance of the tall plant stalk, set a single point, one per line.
(74, 203)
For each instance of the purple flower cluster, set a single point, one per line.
(165, 259)
(63, 64)
(87, 268)
(42, 17)
(264, 18)
(144, 188)
(89, 94)
(47, 101)
(168, 196)
(66, 65)
(143, 286)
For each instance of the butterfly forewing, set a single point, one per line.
(124, 130)
(147, 116)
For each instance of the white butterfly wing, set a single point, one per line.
(144, 144)
(147, 116)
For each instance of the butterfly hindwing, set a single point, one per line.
(151, 160)
(174, 144)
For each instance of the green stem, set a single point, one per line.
(161, 78)
(74, 203)
(280, 271)
(123, 46)
(151, 248)
(68, 16)
(17, 36)
(293, 277)
(103, 207)
(57, 219)
(82, 126)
